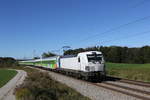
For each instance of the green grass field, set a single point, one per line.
(130, 71)
(6, 75)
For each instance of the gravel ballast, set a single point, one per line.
(89, 90)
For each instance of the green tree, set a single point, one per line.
(8, 62)
(48, 54)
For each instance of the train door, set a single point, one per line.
(79, 62)
(58, 62)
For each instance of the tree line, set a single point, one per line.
(118, 54)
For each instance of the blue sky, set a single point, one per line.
(45, 25)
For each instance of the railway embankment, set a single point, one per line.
(108, 90)
(94, 92)
(39, 85)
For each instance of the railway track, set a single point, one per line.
(139, 83)
(112, 84)
(128, 88)
(135, 82)
(133, 92)
(137, 93)
(116, 88)
(125, 86)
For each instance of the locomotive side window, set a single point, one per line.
(94, 57)
(79, 59)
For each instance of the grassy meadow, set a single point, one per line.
(6, 75)
(139, 72)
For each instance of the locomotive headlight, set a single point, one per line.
(87, 68)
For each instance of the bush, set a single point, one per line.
(23, 94)
(40, 86)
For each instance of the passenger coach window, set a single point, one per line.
(78, 59)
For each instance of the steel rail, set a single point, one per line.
(128, 88)
(124, 92)
(134, 82)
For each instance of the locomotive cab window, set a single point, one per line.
(94, 57)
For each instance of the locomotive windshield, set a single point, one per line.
(94, 57)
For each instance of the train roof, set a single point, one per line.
(82, 53)
(42, 59)
(90, 52)
(68, 56)
(50, 58)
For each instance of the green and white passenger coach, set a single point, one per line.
(87, 65)
(51, 62)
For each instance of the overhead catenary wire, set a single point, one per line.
(113, 29)
(116, 28)
(140, 3)
(125, 37)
